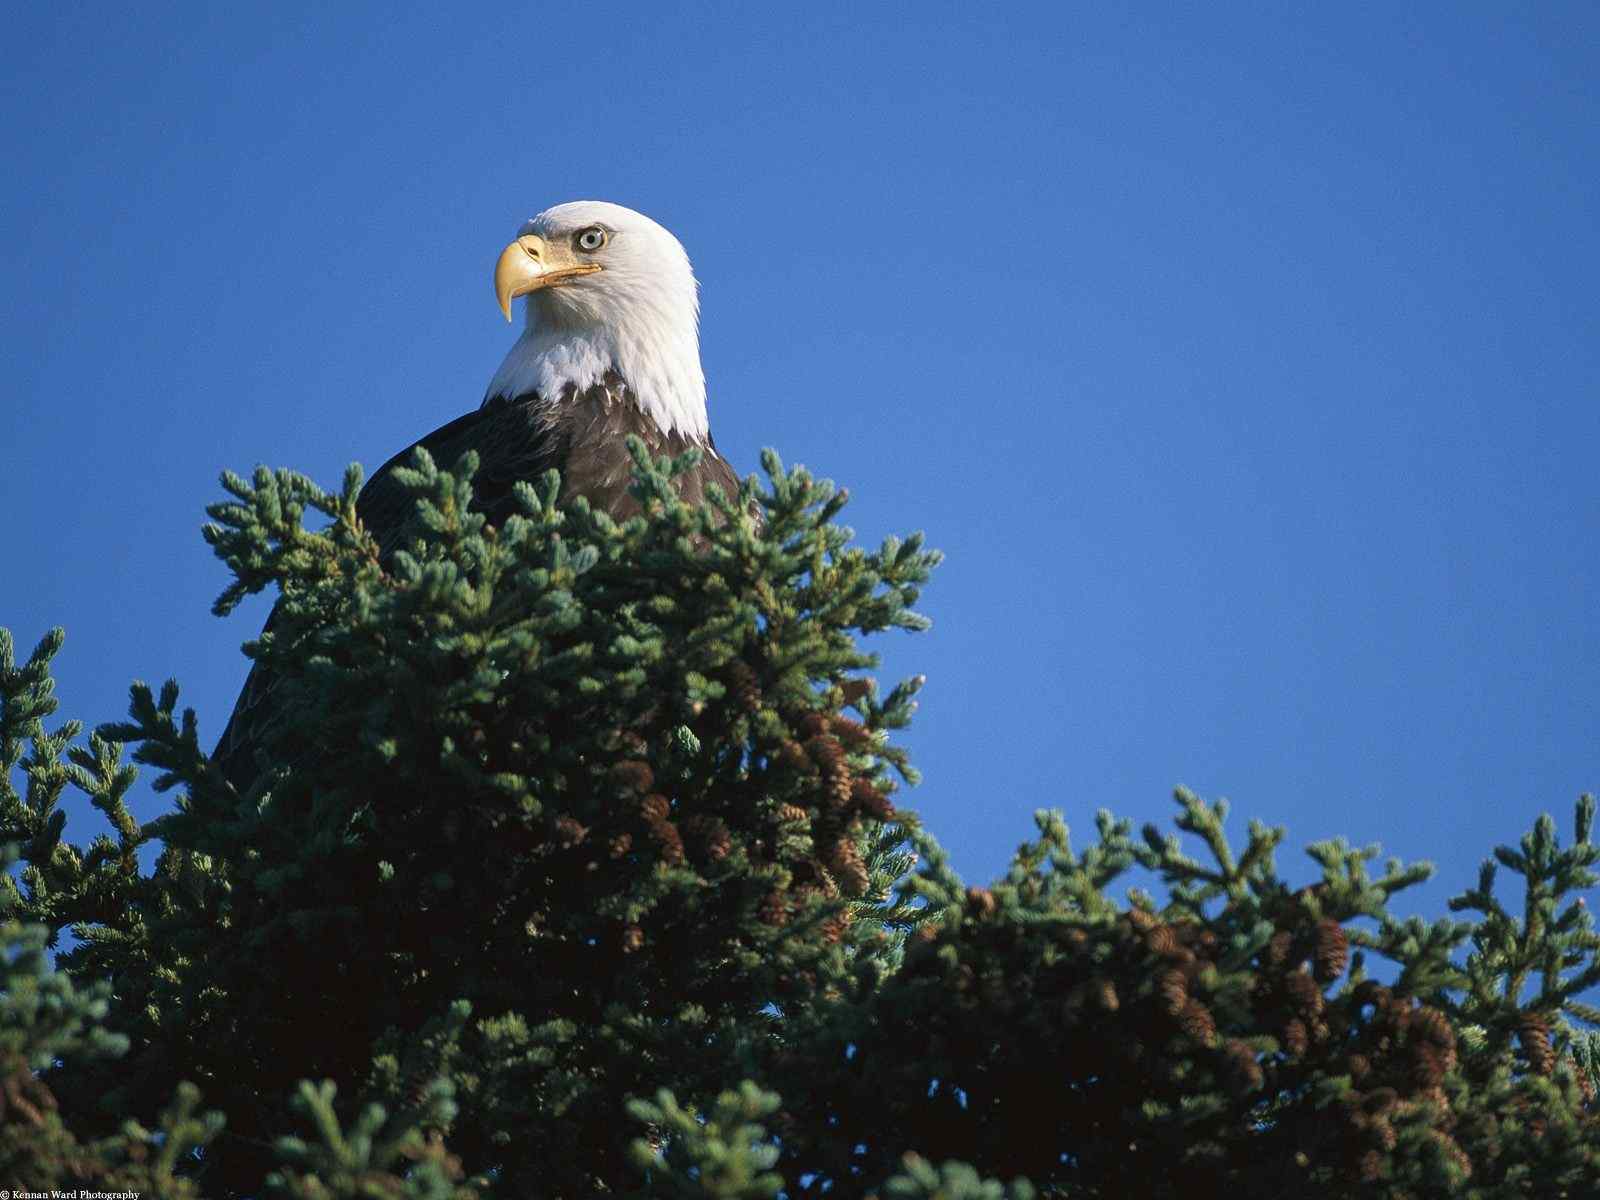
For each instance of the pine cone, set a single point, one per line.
(1241, 1071)
(1427, 1066)
(1303, 992)
(1384, 1131)
(791, 813)
(1432, 1029)
(1162, 940)
(1278, 948)
(866, 796)
(1436, 1096)
(848, 867)
(774, 910)
(854, 689)
(1434, 1026)
(1534, 1033)
(793, 755)
(839, 782)
(834, 927)
(744, 688)
(1332, 953)
(1141, 920)
(569, 832)
(1295, 1039)
(1173, 988)
(632, 775)
(981, 902)
(632, 939)
(1370, 1167)
(1104, 993)
(654, 807)
(825, 751)
(668, 840)
(620, 845)
(847, 729)
(1196, 1020)
(710, 834)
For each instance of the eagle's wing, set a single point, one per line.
(512, 444)
(585, 437)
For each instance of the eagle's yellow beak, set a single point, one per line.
(529, 264)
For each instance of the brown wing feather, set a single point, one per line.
(583, 436)
(511, 445)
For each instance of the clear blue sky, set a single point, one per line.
(1243, 360)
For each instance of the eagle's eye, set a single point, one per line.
(592, 238)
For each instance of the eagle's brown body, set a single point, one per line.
(583, 435)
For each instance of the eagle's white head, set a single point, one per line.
(608, 290)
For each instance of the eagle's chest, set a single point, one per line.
(591, 430)
(587, 433)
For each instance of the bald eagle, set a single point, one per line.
(610, 347)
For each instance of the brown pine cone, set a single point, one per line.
(1241, 1070)
(854, 689)
(825, 750)
(1173, 988)
(743, 687)
(1141, 920)
(1162, 940)
(848, 866)
(668, 840)
(1303, 992)
(981, 902)
(793, 755)
(632, 775)
(1295, 1039)
(848, 729)
(866, 796)
(1427, 1066)
(1533, 1031)
(1104, 993)
(569, 832)
(1332, 952)
(1278, 947)
(774, 910)
(1370, 1167)
(1196, 1020)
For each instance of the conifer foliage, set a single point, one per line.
(571, 864)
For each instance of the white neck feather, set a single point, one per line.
(659, 363)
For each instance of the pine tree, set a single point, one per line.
(573, 866)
